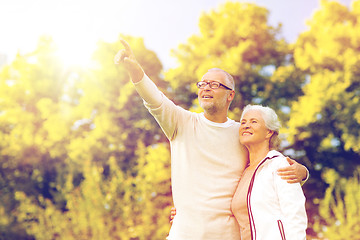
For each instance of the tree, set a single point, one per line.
(85, 158)
(313, 85)
(339, 209)
(34, 129)
(69, 149)
(324, 122)
(111, 118)
(237, 38)
(328, 52)
(117, 205)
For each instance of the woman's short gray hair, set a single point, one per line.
(271, 122)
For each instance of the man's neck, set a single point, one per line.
(218, 118)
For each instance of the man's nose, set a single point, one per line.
(207, 86)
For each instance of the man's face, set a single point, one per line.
(214, 100)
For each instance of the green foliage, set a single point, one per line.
(112, 206)
(237, 38)
(323, 126)
(81, 157)
(313, 85)
(34, 128)
(69, 168)
(340, 207)
(329, 53)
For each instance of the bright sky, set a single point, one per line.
(76, 25)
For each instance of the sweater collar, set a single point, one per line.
(228, 123)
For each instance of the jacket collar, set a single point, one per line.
(272, 153)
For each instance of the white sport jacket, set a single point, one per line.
(276, 208)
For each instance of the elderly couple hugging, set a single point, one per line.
(228, 180)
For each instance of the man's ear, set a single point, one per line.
(231, 96)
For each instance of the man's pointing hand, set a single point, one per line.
(127, 58)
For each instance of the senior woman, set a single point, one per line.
(265, 206)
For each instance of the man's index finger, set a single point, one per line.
(126, 45)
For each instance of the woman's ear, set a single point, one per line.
(269, 134)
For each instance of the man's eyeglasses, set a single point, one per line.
(212, 85)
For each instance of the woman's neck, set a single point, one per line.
(257, 152)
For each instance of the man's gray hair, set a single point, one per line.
(229, 78)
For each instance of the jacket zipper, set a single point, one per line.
(248, 197)
(281, 229)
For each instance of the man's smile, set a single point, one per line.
(206, 96)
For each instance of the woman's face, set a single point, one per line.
(252, 129)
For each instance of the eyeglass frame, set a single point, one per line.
(208, 83)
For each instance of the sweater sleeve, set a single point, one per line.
(307, 177)
(168, 115)
(149, 92)
(292, 205)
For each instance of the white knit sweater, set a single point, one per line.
(207, 160)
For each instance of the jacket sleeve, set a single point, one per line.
(307, 177)
(292, 205)
(165, 112)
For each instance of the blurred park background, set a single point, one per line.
(81, 158)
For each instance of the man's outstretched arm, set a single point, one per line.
(144, 86)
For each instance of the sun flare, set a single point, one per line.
(74, 51)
